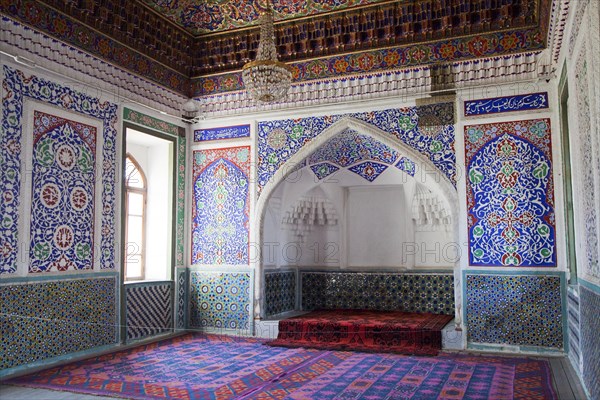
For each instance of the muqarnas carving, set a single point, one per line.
(62, 204)
(510, 194)
(221, 206)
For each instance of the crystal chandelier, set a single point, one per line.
(266, 79)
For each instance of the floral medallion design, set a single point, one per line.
(62, 207)
(205, 17)
(406, 165)
(73, 156)
(368, 170)
(510, 194)
(221, 206)
(349, 147)
(323, 170)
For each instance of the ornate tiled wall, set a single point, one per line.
(590, 339)
(523, 310)
(149, 309)
(427, 129)
(62, 201)
(433, 293)
(221, 206)
(72, 152)
(220, 299)
(361, 154)
(49, 319)
(280, 292)
(509, 165)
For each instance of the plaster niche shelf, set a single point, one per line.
(429, 212)
(307, 213)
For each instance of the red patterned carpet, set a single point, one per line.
(223, 367)
(364, 330)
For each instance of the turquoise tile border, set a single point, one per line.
(589, 285)
(58, 277)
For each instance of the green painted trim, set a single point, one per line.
(147, 121)
(180, 201)
(23, 280)
(563, 302)
(589, 286)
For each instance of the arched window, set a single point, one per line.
(135, 223)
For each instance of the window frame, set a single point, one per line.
(144, 192)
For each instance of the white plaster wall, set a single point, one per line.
(374, 236)
(378, 226)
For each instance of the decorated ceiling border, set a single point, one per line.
(50, 21)
(493, 44)
(148, 121)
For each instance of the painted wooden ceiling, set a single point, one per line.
(201, 17)
(199, 47)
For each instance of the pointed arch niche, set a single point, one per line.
(353, 200)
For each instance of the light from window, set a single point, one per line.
(135, 210)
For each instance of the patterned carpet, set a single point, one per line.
(365, 330)
(218, 367)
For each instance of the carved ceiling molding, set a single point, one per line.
(36, 50)
(341, 38)
(398, 84)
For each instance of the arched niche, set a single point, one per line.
(341, 190)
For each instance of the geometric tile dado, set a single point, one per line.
(521, 310)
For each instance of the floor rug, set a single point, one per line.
(222, 367)
(364, 330)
